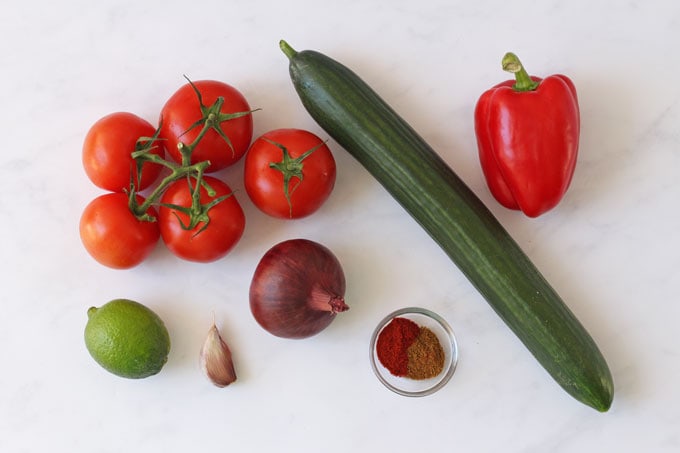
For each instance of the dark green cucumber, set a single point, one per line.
(362, 123)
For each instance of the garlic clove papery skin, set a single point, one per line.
(215, 359)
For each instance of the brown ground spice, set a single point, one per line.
(425, 356)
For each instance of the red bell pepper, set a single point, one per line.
(528, 134)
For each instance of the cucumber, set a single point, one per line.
(412, 172)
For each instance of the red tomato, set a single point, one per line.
(113, 235)
(225, 228)
(184, 109)
(107, 152)
(311, 176)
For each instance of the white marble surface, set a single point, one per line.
(611, 248)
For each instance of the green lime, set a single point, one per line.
(127, 339)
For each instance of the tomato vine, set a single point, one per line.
(212, 118)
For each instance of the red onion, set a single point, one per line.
(297, 289)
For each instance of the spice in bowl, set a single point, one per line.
(413, 352)
(409, 350)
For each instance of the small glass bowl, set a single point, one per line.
(416, 387)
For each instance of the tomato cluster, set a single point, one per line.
(161, 183)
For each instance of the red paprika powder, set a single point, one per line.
(409, 350)
(393, 343)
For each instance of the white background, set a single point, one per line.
(610, 248)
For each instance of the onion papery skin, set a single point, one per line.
(297, 289)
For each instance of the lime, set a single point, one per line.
(127, 339)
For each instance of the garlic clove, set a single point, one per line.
(215, 359)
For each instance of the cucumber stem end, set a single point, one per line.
(287, 49)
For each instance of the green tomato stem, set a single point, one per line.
(523, 81)
(178, 172)
(211, 118)
(290, 168)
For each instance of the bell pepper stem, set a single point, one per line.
(523, 81)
